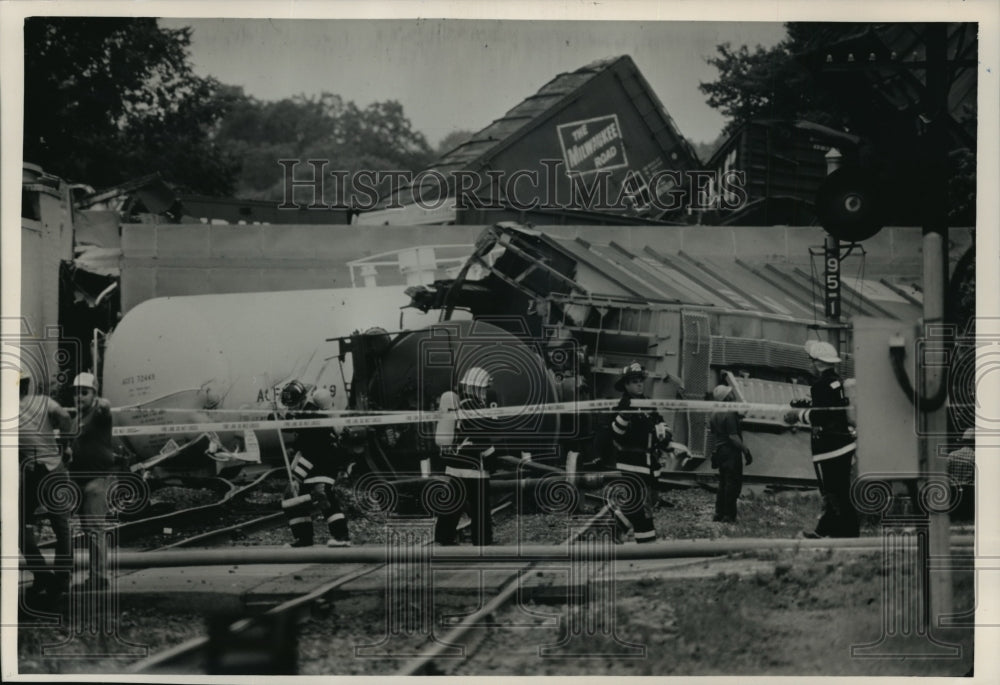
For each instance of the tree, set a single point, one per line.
(382, 131)
(768, 83)
(324, 127)
(109, 99)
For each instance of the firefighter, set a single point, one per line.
(636, 436)
(467, 462)
(314, 470)
(832, 443)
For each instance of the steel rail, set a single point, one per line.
(169, 660)
(131, 530)
(260, 523)
(424, 664)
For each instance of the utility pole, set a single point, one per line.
(934, 423)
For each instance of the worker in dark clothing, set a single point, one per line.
(568, 367)
(728, 455)
(42, 456)
(833, 443)
(636, 436)
(468, 460)
(314, 470)
(92, 469)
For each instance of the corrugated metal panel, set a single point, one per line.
(778, 301)
(653, 273)
(615, 276)
(734, 352)
(688, 290)
(727, 295)
(623, 262)
(755, 352)
(658, 277)
(758, 391)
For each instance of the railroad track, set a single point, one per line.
(430, 662)
(142, 529)
(193, 655)
(152, 527)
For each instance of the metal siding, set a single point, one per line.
(625, 271)
(728, 351)
(688, 290)
(752, 285)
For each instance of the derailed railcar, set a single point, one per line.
(692, 322)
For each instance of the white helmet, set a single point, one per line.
(474, 380)
(822, 351)
(322, 398)
(85, 380)
(721, 393)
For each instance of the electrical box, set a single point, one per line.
(886, 417)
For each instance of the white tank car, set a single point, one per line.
(176, 357)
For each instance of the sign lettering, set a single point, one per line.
(592, 145)
(832, 279)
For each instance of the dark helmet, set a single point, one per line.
(293, 394)
(631, 372)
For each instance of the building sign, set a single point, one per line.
(592, 145)
(831, 260)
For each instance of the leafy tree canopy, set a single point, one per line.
(110, 99)
(325, 127)
(769, 83)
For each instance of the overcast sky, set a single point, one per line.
(462, 74)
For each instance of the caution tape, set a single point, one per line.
(349, 418)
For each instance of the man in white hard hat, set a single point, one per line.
(92, 469)
(468, 461)
(833, 443)
(44, 429)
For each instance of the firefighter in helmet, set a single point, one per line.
(314, 469)
(468, 460)
(636, 438)
(833, 442)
